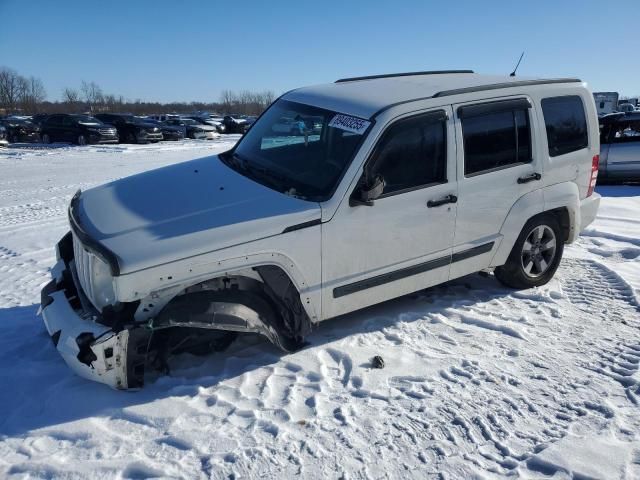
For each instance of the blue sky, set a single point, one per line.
(192, 49)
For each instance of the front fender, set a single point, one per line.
(183, 274)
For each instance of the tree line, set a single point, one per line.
(27, 96)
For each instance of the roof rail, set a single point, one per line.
(496, 86)
(404, 74)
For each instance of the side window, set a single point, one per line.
(412, 154)
(566, 124)
(495, 139)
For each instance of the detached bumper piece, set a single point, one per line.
(92, 350)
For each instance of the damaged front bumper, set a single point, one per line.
(92, 350)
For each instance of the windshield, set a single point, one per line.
(298, 149)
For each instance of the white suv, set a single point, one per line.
(392, 184)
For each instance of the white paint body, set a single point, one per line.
(180, 225)
(242, 226)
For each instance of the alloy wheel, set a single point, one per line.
(538, 251)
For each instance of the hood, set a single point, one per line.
(184, 210)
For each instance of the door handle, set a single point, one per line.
(530, 178)
(442, 201)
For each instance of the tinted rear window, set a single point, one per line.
(496, 140)
(566, 124)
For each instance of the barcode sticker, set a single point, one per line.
(350, 124)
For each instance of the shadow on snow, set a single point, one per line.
(40, 391)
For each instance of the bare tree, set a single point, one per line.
(11, 87)
(92, 94)
(32, 94)
(70, 95)
(28, 94)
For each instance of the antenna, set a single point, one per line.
(513, 74)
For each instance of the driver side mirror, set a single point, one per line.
(366, 194)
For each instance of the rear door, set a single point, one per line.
(67, 129)
(401, 243)
(52, 127)
(497, 164)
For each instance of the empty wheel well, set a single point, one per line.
(262, 298)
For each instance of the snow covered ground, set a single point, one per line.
(480, 381)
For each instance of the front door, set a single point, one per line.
(401, 243)
(497, 164)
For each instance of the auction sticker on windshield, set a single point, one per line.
(350, 124)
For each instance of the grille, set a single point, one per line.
(107, 131)
(84, 265)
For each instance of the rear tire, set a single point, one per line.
(46, 139)
(81, 140)
(536, 255)
(131, 138)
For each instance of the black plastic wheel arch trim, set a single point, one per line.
(88, 242)
(410, 271)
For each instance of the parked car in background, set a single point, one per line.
(132, 129)
(20, 130)
(234, 124)
(78, 129)
(620, 147)
(194, 129)
(163, 117)
(168, 132)
(39, 118)
(3, 137)
(219, 127)
(218, 122)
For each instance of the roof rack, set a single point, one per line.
(404, 74)
(496, 86)
(480, 88)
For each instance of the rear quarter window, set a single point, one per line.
(566, 124)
